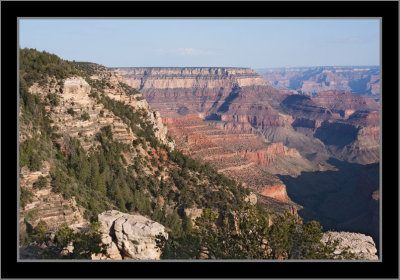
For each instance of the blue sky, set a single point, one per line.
(255, 43)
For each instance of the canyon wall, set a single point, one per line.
(363, 80)
(217, 95)
(169, 77)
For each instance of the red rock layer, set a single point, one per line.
(278, 192)
(344, 100)
(268, 155)
(223, 150)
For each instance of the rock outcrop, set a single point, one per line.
(47, 206)
(80, 115)
(362, 246)
(129, 236)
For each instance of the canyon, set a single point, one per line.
(364, 80)
(267, 137)
(100, 165)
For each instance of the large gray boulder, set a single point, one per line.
(129, 236)
(361, 245)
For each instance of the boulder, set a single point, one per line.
(361, 245)
(129, 236)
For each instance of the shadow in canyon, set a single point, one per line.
(340, 200)
(228, 100)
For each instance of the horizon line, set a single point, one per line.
(241, 67)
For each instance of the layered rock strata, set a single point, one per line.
(75, 103)
(80, 115)
(243, 157)
(345, 103)
(196, 77)
(189, 90)
(129, 236)
(347, 125)
(254, 106)
(312, 80)
(47, 206)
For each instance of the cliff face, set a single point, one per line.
(205, 78)
(347, 125)
(188, 90)
(312, 80)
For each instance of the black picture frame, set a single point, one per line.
(387, 268)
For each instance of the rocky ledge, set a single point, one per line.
(129, 236)
(362, 246)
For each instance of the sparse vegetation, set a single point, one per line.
(128, 89)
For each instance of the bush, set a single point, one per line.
(71, 111)
(29, 154)
(53, 99)
(25, 197)
(85, 116)
(40, 183)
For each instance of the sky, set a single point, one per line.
(254, 43)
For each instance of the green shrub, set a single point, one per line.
(25, 197)
(85, 116)
(71, 111)
(40, 183)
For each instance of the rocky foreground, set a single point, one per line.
(362, 246)
(129, 236)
